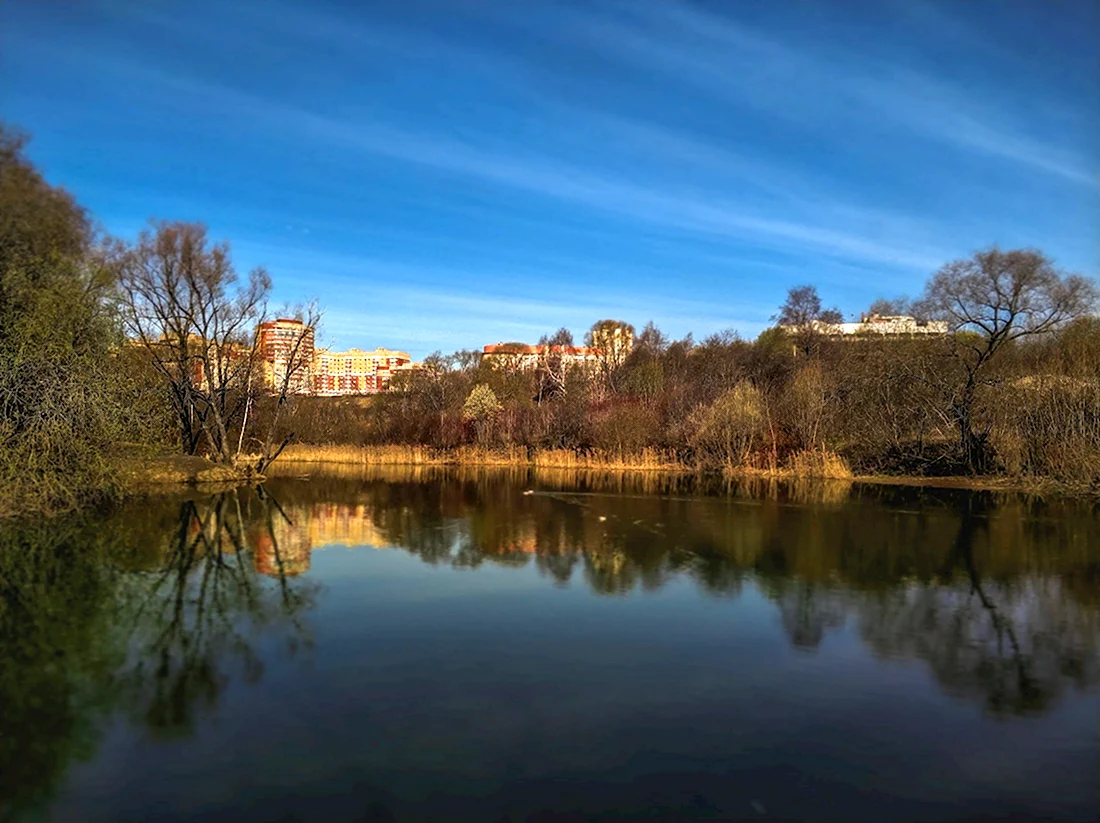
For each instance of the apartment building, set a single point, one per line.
(287, 355)
(524, 357)
(356, 371)
(872, 325)
(894, 324)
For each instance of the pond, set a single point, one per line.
(442, 645)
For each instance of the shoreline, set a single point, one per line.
(646, 462)
(158, 475)
(140, 474)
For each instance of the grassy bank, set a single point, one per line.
(801, 464)
(122, 476)
(304, 459)
(644, 460)
(138, 474)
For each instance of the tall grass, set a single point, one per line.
(819, 463)
(643, 460)
(362, 455)
(809, 463)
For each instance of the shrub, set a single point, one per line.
(726, 431)
(481, 408)
(625, 428)
(1050, 427)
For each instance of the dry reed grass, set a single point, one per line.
(645, 460)
(361, 455)
(819, 463)
(552, 479)
(815, 463)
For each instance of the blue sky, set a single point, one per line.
(446, 174)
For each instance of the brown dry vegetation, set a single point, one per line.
(822, 464)
(644, 460)
(866, 408)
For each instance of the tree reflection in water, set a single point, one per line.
(225, 581)
(143, 615)
(997, 594)
(153, 612)
(1015, 644)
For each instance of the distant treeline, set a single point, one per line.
(110, 349)
(792, 400)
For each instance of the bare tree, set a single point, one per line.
(652, 339)
(181, 301)
(433, 383)
(808, 399)
(988, 301)
(898, 306)
(802, 315)
(553, 363)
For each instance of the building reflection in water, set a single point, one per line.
(306, 528)
(339, 524)
(998, 601)
(283, 546)
(287, 553)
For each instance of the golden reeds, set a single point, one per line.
(644, 460)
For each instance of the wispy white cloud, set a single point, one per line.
(537, 158)
(523, 288)
(665, 206)
(736, 62)
(945, 112)
(659, 203)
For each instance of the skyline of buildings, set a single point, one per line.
(324, 372)
(288, 352)
(286, 348)
(878, 324)
(524, 357)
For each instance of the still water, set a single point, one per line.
(482, 646)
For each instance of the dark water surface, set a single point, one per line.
(452, 647)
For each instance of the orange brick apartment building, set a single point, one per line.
(320, 371)
(286, 347)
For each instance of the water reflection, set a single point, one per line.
(149, 613)
(998, 594)
(155, 612)
(194, 617)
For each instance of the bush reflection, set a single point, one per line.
(154, 611)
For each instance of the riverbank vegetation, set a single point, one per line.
(113, 350)
(1011, 391)
(68, 396)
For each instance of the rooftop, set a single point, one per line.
(523, 348)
